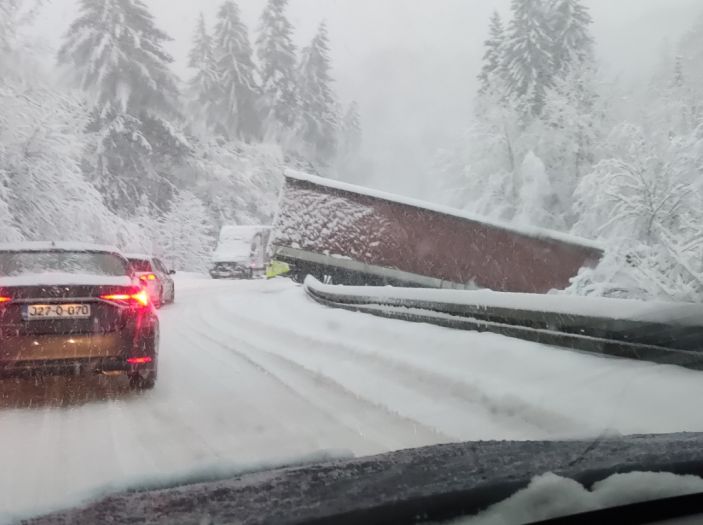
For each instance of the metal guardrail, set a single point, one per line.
(664, 343)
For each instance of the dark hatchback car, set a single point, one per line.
(74, 308)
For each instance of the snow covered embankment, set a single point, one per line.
(666, 333)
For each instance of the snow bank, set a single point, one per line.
(624, 309)
(530, 231)
(550, 496)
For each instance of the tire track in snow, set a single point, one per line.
(374, 422)
(317, 422)
(250, 401)
(503, 414)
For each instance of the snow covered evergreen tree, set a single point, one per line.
(691, 52)
(42, 140)
(187, 234)
(644, 202)
(42, 186)
(351, 166)
(15, 47)
(117, 55)
(677, 109)
(13, 15)
(238, 183)
(238, 107)
(569, 132)
(535, 194)
(529, 64)
(276, 53)
(572, 40)
(320, 122)
(493, 55)
(203, 88)
(351, 135)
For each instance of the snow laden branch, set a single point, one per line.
(648, 207)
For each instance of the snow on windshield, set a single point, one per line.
(551, 496)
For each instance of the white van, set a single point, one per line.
(241, 252)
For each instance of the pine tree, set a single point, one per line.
(573, 44)
(41, 181)
(529, 65)
(186, 232)
(318, 102)
(350, 165)
(678, 110)
(238, 183)
(691, 50)
(238, 108)
(678, 81)
(204, 85)
(117, 55)
(15, 15)
(535, 194)
(276, 53)
(351, 131)
(572, 121)
(493, 56)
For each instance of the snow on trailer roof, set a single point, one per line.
(529, 231)
(64, 246)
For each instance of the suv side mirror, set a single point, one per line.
(172, 272)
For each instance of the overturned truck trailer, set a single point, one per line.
(351, 235)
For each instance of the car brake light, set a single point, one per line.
(148, 277)
(139, 360)
(140, 298)
(4, 299)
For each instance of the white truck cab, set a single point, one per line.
(241, 252)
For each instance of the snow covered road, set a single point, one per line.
(255, 373)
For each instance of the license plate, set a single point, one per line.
(33, 312)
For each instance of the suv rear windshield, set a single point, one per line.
(93, 263)
(140, 265)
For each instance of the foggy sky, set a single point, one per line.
(412, 64)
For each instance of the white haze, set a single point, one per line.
(412, 64)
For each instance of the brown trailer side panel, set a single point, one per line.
(323, 219)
